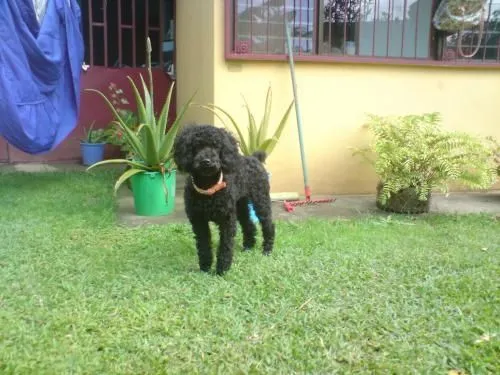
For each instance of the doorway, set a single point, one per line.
(115, 33)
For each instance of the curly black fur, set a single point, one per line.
(204, 151)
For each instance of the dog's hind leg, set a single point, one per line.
(247, 226)
(227, 229)
(264, 213)
(203, 238)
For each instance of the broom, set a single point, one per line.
(288, 205)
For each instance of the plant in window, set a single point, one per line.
(414, 156)
(456, 16)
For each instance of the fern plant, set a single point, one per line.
(495, 147)
(413, 151)
(257, 138)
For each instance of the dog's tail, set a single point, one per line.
(260, 155)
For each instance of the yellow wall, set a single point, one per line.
(334, 100)
(195, 51)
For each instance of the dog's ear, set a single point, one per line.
(182, 153)
(229, 152)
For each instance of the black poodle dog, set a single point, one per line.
(221, 182)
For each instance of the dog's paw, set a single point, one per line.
(249, 244)
(220, 272)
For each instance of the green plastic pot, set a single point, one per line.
(149, 194)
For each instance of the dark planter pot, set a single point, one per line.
(404, 202)
(92, 152)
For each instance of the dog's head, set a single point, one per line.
(205, 150)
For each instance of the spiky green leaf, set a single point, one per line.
(163, 119)
(252, 129)
(125, 176)
(132, 138)
(279, 129)
(169, 139)
(267, 144)
(131, 163)
(151, 146)
(264, 124)
(141, 109)
(148, 104)
(213, 108)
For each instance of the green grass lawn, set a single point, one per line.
(81, 295)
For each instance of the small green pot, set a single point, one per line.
(150, 198)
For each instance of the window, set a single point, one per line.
(397, 30)
(115, 32)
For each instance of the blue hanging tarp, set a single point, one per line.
(40, 66)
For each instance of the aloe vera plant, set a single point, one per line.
(257, 138)
(151, 143)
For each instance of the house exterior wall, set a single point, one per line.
(334, 100)
(4, 154)
(195, 49)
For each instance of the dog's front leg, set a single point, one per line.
(201, 231)
(227, 230)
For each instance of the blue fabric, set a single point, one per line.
(40, 68)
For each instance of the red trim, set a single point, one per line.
(230, 55)
(120, 37)
(361, 60)
(432, 50)
(314, 30)
(146, 20)
(105, 27)
(486, 32)
(162, 32)
(134, 37)
(91, 34)
(416, 28)
(228, 25)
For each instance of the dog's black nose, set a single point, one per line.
(206, 163)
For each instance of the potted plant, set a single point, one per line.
(257, 138)
(414, 156)
(92, 146)
(458, 15)
(151, 169)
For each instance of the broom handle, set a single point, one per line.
(307, 189)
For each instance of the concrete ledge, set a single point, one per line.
(345, 206)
